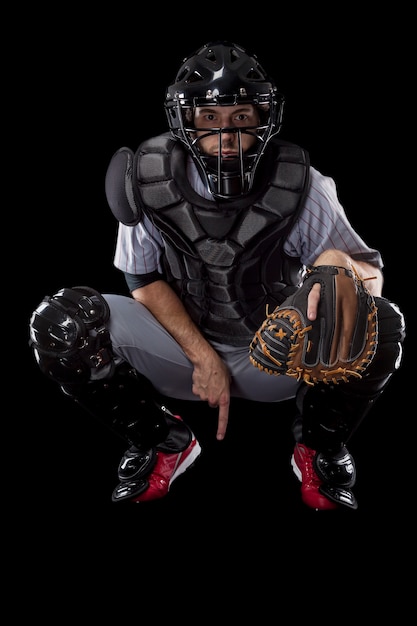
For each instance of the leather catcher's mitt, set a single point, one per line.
(338, 345)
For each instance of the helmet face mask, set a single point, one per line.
(223, 75)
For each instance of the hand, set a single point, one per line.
(211, 382)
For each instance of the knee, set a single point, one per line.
(391, 336)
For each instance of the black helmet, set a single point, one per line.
(68, 335)
(223, 74)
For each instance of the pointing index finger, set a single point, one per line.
(222, 421)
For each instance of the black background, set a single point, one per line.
(91, 84)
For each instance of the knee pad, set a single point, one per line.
(69, 337)
(389, 351)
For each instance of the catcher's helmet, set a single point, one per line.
(223, 74)
(68, 335)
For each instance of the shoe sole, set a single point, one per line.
(296, 469)
(189, 461)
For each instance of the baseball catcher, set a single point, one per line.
(218, 219)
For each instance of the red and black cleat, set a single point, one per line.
(148, 474)
(325, 480)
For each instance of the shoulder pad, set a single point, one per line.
(119, 188)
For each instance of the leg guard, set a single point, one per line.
(330, 414)
(127, 404)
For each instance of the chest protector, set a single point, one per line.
(223, 259)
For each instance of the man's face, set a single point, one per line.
(239, 116)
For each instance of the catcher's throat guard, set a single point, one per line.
(338, 345)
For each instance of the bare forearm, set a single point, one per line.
(167, 308)
(210, 378)
(371, 274)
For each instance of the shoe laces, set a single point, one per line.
(311, 475)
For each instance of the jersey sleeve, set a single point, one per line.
(323, 224)
(138, 248)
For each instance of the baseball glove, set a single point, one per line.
(338, 345)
